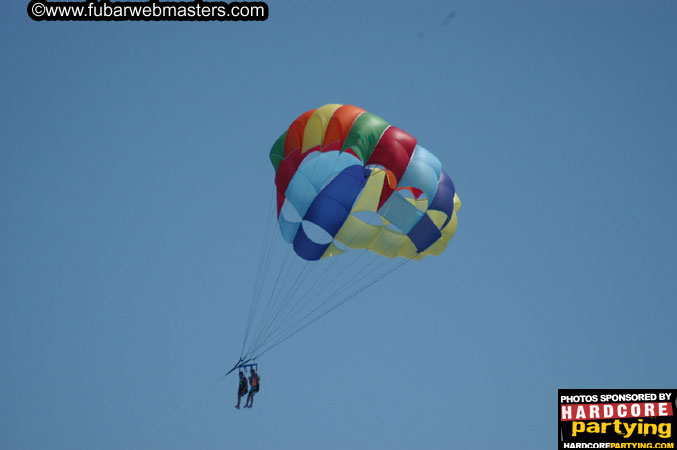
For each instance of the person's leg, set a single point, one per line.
(252, 402)
(239, 397)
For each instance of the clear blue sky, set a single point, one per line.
(134, 178)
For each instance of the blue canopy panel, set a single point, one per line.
(400, 212)
(312, 175)
(330, 209)
(424, 234)
(288, 229)
(444, 197)
(316, 170)
(411, 221)
(423, 172)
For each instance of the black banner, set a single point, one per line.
(616, 418)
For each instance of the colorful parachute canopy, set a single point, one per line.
(348, 179)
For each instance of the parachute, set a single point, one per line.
(347, 184)
(355, 199)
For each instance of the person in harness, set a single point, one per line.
(255, 382)
(242, 389)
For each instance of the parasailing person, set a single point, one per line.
(242, 389)
(255, 382)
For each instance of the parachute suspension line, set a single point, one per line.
(273, 302)
(331, 297)
(302, 274)
(282, 327)
(307, 291)
(324, 313)
(364, 274)
(311, 293)
(281, 288)
(284, 314)
(314, 315)
(264, 261)
(282, 268)
(279, 321)
(283, 318)
(297, 304)
(263, 320)
(269, 257)
(265, 323)
(339, 274)
(283, 307)
(253, 304)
